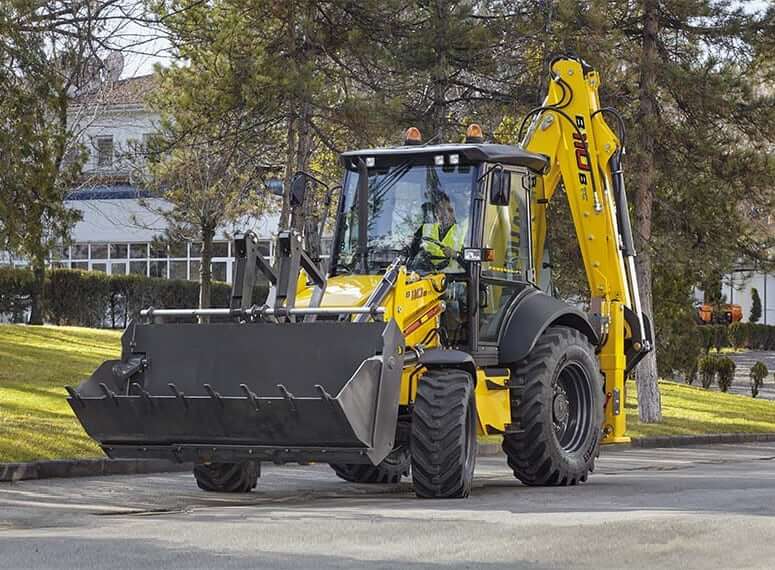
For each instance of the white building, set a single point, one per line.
(737, 287)
(117, 232)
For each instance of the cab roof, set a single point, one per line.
(511, 155)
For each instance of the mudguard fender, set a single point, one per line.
(532, 314)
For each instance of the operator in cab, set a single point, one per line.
(441, 240)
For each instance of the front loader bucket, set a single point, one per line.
(320, 391)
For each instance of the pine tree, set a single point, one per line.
(756, 307)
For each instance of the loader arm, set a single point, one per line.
(585, 157)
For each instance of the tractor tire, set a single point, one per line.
(389, 471)
(227, 477)
(557, 411)
(443, 435)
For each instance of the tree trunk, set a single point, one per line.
(290, 150)
(38, 289)
(302, 156)
(205, 273)
(649, 401)
(440, 72)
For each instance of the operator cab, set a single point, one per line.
(460, 209)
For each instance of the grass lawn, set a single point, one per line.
(36, 422)
(35, 363)
(689, 410)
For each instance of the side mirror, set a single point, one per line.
(298, 189)
(275, 186)
(500, 188)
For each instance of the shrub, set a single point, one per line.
(77, 297)
(707, 367)
(690, 375)
(737, 335)
(725, 368)
(15, 292)
(720, 339)
(758, 373)
(756, 306)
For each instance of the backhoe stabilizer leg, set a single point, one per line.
(612, 363)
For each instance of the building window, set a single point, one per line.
(220, 249)
(194, 270)
(118, 268)
(219, 270)
(175, 260)
(178, 249)
(178, 270)
(158, 268)
(138, 267)
(99, 251)
(104, 151)
(118, 251)
(138, 250)
(80, 251)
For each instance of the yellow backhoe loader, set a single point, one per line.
(429, 327)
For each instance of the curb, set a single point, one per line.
(86, 468)
(490, 449)
(95, 467)
(685, 440)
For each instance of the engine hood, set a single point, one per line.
(343, 291)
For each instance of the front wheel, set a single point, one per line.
(443, 436)
(227, 477)
(390, 470)
(557, 406)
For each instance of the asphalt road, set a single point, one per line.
(704, 507)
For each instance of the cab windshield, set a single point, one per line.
(418, 211)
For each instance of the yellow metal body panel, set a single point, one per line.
(493, 406)
(416, 305)
(587, 180)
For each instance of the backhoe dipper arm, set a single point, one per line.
(585, 157)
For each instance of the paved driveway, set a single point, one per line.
(709, 507)
(742, 382)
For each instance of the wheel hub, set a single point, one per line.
(560, 406)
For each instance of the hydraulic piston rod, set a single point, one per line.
(261, 311)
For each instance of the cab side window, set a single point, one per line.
(506, 232)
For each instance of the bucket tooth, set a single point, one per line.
(178, 394)
(75, 396)
(109, 393)
(213, 394)
(288, 396)
(144, 393)
(324, 394)
(250, 395)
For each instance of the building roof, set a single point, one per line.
(129, 91)
(107, 192)
(505, 154)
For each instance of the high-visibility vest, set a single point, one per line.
(451, 239)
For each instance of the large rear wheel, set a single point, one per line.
(443, 437)
(390, 470)
(557, 407)
(227, 477)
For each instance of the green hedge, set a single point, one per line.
(15, 292)
(752, 336)
(93, 299)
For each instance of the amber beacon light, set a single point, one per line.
(413, 136)
(474, 133)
